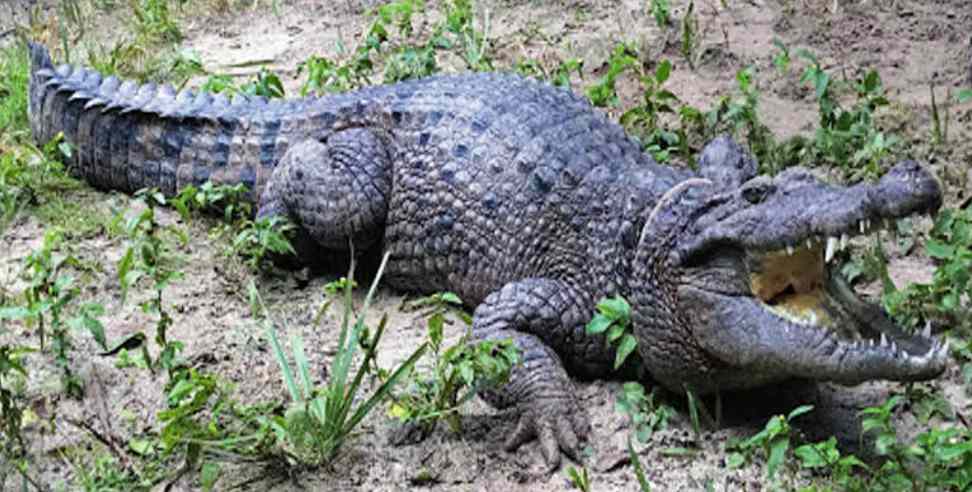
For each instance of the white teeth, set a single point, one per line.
(863, 226)
(789, 250)
(831, 247)
(894, 347)
(843, 242)
(867, 224)
(887, 224)
(927, 331)
(870, 342)
(884, 340)
(809, 243)
(942, 352)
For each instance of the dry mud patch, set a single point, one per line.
(912, 44)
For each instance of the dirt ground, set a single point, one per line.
(911, 43)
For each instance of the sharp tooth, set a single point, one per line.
(870, 342)
(884, 340)
(943, 352)
(863, 227)
(843, 242)
(867, 224)
(927, 331)
(789, 250)
(831, 246)
(887, 224)
(809, 243)
(894, 348)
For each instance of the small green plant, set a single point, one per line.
(319, 421)
(49, 296)
(613, 318)
(661, 11)
(257, 240)
(12, 405)
(646, 414)
(740, 116)
(150, 256)
(327, 76)
(643, 120)
(201, 417)
(229, 200)
(265, 84)
(773, 440)
(153, 20)
(473, 43)
(782, 59)
(691, 38)
(849, 138)
(579, 478)
(458, 372)
(946, 298)
(559, 77)
(639, 471)
(824, 456)
(604, 93)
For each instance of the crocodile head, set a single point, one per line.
(746, 289)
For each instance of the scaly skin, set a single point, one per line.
(526, 202)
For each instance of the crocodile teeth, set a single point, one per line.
(809, 243)
(789, 250)
(927, 331)
(832, 244)
(894, 347)
(862, 226)
(843, 241)
(871, 342)
(942, 352)
(884, 340)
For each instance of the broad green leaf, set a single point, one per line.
(940, 250)
(798, 411)
(208, 475)
(598, 324)
(616, 308)
(627, 345)
(663, 71)
(777, 452)
(735, 460)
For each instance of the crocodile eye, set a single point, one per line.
(755, 191)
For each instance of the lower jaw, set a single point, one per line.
(834, 306)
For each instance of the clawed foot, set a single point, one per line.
(559, 424)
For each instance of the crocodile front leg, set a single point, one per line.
(535, 314)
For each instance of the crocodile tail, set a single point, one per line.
(126, 136)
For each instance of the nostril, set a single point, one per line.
(756, 191)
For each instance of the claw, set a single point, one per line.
(549, 448)
(522, 435)
(561, 430)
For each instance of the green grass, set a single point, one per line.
(14, 68)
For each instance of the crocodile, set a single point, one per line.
(532, 206)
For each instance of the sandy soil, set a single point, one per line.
(911, 43)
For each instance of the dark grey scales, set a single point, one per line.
(531, 206)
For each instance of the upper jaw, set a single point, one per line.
(793, 208)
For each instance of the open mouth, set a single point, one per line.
(802, 284)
